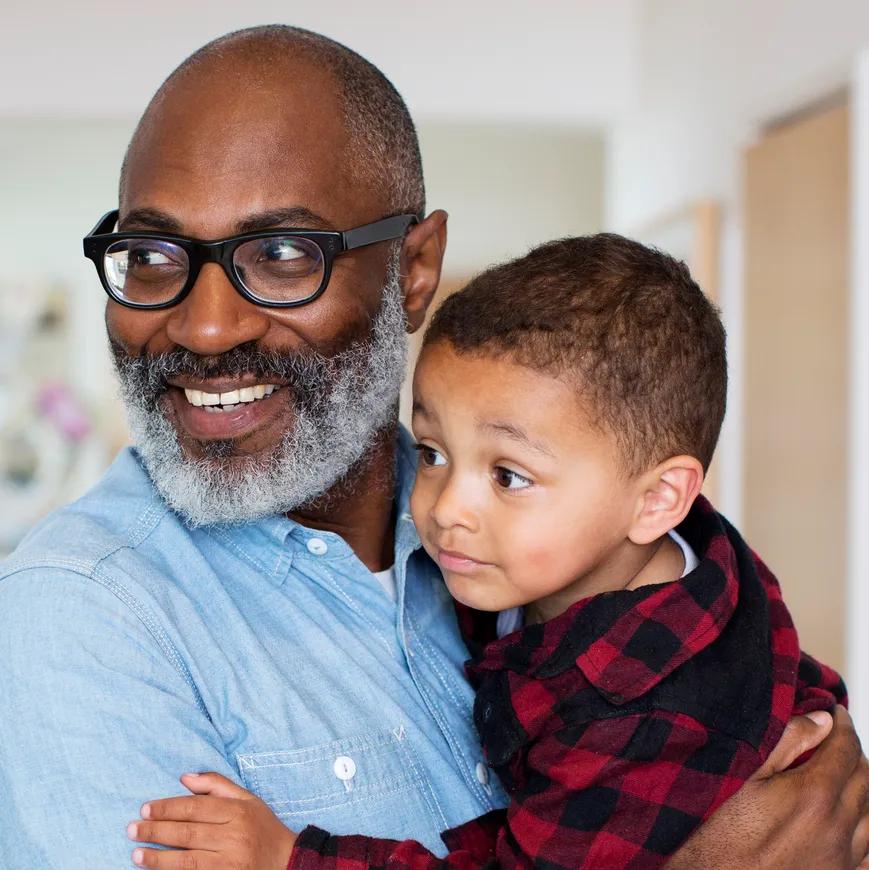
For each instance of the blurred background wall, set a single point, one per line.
(731, 133)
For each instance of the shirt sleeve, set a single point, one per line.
(615, 793)
(621, 792)
(819, 687)
(97, 714)
(472, 846)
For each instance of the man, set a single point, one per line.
(245, 593)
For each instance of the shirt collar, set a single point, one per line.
(252, 536)
(406, 537)
(626, 642)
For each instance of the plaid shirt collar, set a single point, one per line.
(624, 642)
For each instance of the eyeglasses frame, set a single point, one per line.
(332, 243)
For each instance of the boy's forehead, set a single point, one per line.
(497, 396)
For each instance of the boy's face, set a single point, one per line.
(518, 498)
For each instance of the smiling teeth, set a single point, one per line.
(200, 399)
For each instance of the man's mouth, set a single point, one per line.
(228, 411)
(219, 402)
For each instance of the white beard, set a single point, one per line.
(341, 404)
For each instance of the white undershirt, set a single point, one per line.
(387, 580)
(511, 620)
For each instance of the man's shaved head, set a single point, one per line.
(382, 146)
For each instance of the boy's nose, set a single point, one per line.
(455, 506)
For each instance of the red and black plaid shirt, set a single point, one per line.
(619, 726)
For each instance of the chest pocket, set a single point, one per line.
(366, 784)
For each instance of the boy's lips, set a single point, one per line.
(459, 563)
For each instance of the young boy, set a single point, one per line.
(633, 660)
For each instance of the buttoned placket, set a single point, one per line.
(474, 770)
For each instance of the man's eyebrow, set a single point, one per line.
(517, 434)
(150, 219)
(297, 217)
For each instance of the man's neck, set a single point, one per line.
(361, 506)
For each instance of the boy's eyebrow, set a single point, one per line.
(516, 433)
(419, 408)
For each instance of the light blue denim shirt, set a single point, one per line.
(133, 649)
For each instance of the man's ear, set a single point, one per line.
(666, 495)
(422, 256)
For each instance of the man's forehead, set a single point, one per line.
(218, 148)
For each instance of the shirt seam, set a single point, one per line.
(94, 573)
(225, 538)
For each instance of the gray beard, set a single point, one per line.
(341, 403)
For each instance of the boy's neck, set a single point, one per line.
(661, 561)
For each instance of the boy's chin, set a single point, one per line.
(473, 594)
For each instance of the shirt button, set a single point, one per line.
(317, 546)
(344, 767)
(482, 773)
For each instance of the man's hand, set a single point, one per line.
(815, 817)
(221, 827)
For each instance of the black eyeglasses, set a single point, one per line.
(280, 268)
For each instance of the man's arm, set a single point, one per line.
(814, 816)
(97, 712)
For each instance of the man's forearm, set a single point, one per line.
(808, 817)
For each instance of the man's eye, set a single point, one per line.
(148, 257)
(281, 250)
(429, 456)
(508, 479)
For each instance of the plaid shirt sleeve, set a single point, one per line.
(623, 792)
(818, 687)
(472, 847)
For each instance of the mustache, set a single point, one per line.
(151, 372)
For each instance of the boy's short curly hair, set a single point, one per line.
(624, 323)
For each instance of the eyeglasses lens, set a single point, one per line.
(145, 271)
(280, 268)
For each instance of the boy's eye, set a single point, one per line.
(429, 456)
(507, 479)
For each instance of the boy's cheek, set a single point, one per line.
(422, 498)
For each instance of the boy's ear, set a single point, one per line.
(422, 256)
(666, 495)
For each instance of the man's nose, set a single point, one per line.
(214, 317)
(455, 504)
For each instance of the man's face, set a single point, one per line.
(233, 149)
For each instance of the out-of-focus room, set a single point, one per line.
(734, 135)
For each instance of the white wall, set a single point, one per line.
(857, 649)
(508, 187)
(56, 179)
(709, 75)
(563, 60)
